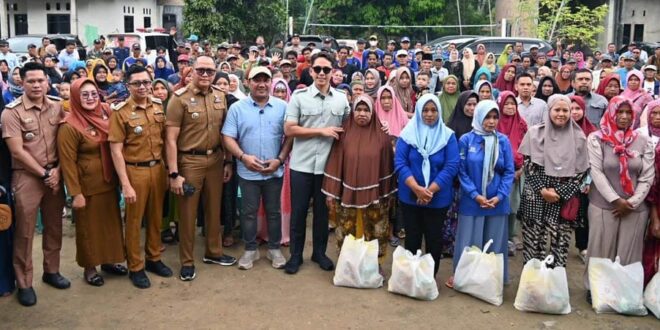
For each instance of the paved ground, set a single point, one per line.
(264, 297)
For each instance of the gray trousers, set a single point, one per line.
(251, 193)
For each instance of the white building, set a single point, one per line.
(87, 18)
(632, 20)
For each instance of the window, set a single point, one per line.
(147, 22)
(639, 32)
(68, 6)
(169, 20)
(627, 37)
(58, 23)
(128, 24)
(57, 6)
(20, 24)
(47, 5)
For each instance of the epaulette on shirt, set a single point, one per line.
(300, 90)
(339, 90)
(180, 91)
(216, 88)
(116, 107)
(156, 100)
(14, 103)
(54, 98)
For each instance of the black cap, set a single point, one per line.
(30, 46)
(3, 42)
(427, 57)
(312, 43)
(295, 35)
(120, 38)
(327, 40)
(97, 41)
(361, 41)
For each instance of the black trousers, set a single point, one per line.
(304, 187)
(424, 223)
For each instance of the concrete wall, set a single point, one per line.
(520, 16)
(645, 12)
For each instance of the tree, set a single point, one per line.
(576, 23)
(220, 20)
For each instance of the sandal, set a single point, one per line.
(228, 241)
(450, 282)
(116, 269)
(394, 241)
(95, 280)
(167, 236)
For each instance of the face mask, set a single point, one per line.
(373, 43)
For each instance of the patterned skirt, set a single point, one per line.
(371, 223)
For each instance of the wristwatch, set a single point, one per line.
(174, 175)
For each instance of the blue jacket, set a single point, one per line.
(470, 174)
(444, 167)
(365, 54)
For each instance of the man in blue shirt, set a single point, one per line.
(68, 56)
(253, 132)
(628, 65)
(121, 51)
(373, 46)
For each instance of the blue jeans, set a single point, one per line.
(252, 192)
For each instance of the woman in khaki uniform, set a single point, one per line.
(89, 177)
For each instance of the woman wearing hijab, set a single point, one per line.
(547, 87)
(460, 122)
(480, 56)
(579, 58)
(503, 59)
(389, 110)
(609, 87)
(371, 82)
(622, 170)
(578, 109)
(186, 78)
(161, 69)
(449, 96)
(553, 174)
(492, 67)
(403, 90)
(485, 90)
(507, 79)
(563, 79)
(111, 62)
(486, 175)
(454, 67)
(426, 162)
(100, 76)
(359, 178)
(225, 67)
(235, 87)
(221, 81)
(470, 66)
(89, 177)
(651, 253)
(638, 95)
(482, 74)
(14, 86)
(513, 125)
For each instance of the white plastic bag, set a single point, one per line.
(616, 288)
(480, 274)
(652, 295)
(357, 266)
(543, 289)
(412, 275)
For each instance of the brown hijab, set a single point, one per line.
(546, 145)
(359, 171)
(93, 124)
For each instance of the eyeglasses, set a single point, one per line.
(92, 95)
(325, 69)
(137, 84)
(202, 71)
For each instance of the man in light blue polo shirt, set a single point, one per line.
(253, 132)
(313, 118)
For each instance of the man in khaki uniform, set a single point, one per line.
(195, 115)
(29, 126)
(137, 128)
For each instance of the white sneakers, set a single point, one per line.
(249, 257)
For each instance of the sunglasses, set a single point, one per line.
(202, 71)
(325, 69)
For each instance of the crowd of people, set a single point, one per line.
(435, 147)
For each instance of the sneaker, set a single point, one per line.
(583, 256)
(223, 260)
(158, 268)
(187, 273)
(139, 279)
(247, 260)
(278, 260)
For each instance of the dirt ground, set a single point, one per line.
(264, 298)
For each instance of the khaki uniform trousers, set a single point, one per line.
(149, 184)
(206, 174)
(30, 195)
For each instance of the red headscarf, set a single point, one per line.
(513, 127)
(182, 83)
(605, 81)
(93, 124)
(619, 140)
(564, 84)
(585, 124)
(502, 84)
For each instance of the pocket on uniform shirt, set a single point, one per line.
(136, 122)
(310, 111)
(159, 117)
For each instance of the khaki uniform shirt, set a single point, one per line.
(36, 125)
(141, 130)
(199, 115)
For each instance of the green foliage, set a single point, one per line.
(576, 22)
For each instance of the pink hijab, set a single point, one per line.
(396, 118)
(280, 81)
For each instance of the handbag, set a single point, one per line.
(569, 211)
(5, 217)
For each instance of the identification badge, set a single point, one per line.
(193, 101)
(27, 120)
(195, 115)
(134, 116)
(217, 99)
(138, 130)
(29, 136)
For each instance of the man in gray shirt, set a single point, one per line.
(313, 118)
(532, 109)
(596, 104)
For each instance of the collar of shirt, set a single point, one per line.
(197, 91)
(520, 100)
(29, 105)
(134, 104)
(256, 105)
(316, 92)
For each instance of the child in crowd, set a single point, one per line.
(64, 90)
(118, 91)
(422, 83)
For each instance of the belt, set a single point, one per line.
(199, 152)
(150, 163)
(51, 165)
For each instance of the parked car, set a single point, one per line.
(443, 42)
(496, 45)
(305, 39)
(18, 44)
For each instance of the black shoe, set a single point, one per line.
(292, 266)
(589, 301)
(167, 236)
(115, 269)
(56, 280)
(187, 273)
(27, 297)
(158, 268)
(223, 260)
(95, 280)
(324, 262)
(139, 279)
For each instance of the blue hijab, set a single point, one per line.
(163, 73)
(426, 139)
(491, 142)
(483, 70)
